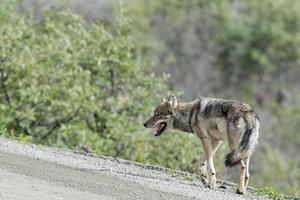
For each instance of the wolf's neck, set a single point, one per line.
(182, 117)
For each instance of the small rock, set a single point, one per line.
(223, 186)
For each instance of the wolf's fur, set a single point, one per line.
(213, 120)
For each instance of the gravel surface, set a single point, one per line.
(29, 171)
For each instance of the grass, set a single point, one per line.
(271, 192)
(13, 135)
(182, 176)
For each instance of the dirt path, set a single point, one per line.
(31, 172)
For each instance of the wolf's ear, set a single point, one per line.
(163, 99)
(172, 100)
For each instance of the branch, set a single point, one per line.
(58, 123)
(7, 98)
(112, 82)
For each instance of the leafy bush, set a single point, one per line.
(282, 152)
(87, 86)
(259, 37)
(67, 83)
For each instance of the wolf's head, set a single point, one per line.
(163, 116)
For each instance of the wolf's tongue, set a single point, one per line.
(159, 129)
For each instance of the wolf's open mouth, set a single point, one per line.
(160, 128)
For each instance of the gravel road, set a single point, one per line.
(32, 172)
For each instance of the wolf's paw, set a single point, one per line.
(212, 183)
(241, 190)
(204, 178)
(212, 186)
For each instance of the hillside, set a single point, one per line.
(52, 173)
(86, 74)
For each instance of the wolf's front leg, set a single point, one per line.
(207, 146)
(212, 178)
(203, 170)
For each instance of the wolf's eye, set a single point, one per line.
(157, 114)
(169, 113)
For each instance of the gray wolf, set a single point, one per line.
(212, 120)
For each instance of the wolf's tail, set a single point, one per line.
(246, 144)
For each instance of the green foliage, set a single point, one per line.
(281, 153)
(251, 38)
(259, 36)
(66, 83)
(12, 134)
(271, 193)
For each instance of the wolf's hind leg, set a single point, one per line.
(242, 188)
(247, 175)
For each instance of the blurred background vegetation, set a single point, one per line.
(85, 74)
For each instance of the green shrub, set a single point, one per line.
(258, 37)
(88, 86)
(67, 83)
(271, 193)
